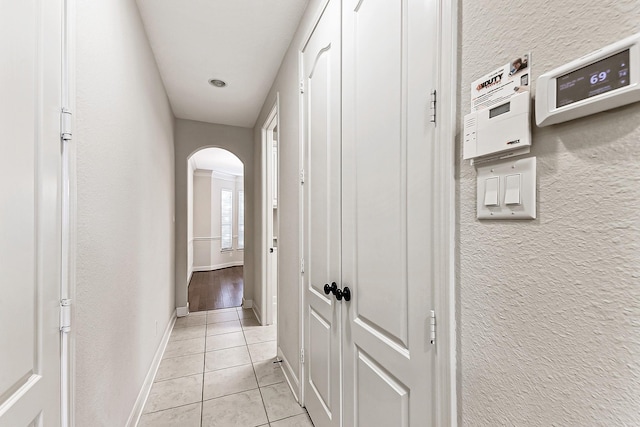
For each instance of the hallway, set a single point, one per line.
(218, 370)
(437, 200)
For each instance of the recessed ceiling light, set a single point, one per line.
(217, 83)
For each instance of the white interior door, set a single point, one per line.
(270, 292)
(273, 252)
(388, 362)
(30, 83)
(322, 252)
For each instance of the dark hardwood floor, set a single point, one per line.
(210, 290)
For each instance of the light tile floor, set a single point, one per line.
(218, 370)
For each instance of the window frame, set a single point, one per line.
(240, 223)
(223, 224)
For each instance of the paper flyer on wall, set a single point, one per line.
(501, 84)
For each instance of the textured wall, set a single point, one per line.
(125, 199)
(549, 329)
(191, 136)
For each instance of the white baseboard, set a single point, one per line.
(247, 303)
(289, 375)
(182, 311)
(136, 412)
(258, 314)
(218, 266)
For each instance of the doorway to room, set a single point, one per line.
(215, 230)
(270, 218)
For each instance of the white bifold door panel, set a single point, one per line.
(30, 164)
(387, 185)
(375, 237)
(322, 150)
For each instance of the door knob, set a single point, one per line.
(270, 250)
(343, 293)
(334, 287)
(346, 293)
(327, 289)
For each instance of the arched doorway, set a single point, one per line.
(215, 229)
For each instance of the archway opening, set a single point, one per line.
(215, 229)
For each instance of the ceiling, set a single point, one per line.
(219, 160)
(241, 42)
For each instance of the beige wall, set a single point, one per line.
(548, 309)
(125, 200)
(207, 253)
(201, 219)
(191, 136)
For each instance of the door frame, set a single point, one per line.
(69, 221)
(272, 121)
(445, 375)
(446, 380)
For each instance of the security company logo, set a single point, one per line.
(491, 82)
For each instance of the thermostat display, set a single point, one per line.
(603, 76)
(604, 79)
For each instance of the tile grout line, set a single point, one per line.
(235, 392)
(204, 368)
(169, 409)
(184, 355)
(269, 385)
(230, 394)
(292, 416)
(176, 378)
(264, 406)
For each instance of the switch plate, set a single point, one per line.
(513, 175)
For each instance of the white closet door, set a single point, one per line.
(321, 105)
(30, 84)
(389, 62)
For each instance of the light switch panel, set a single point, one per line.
(514, 182)
(492, 191)
(512, 189)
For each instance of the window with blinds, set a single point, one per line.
(240, 219)
(226, 220)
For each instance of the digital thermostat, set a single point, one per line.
(602, 80)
